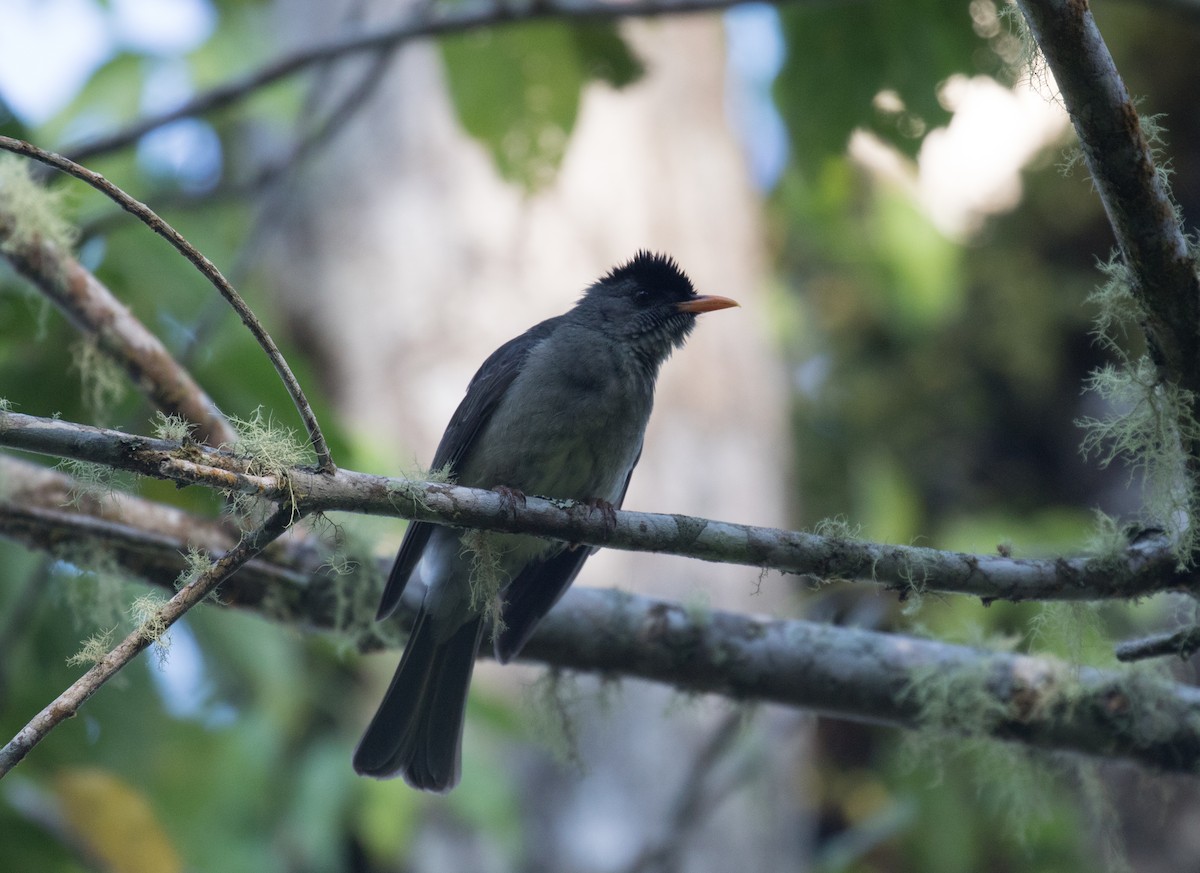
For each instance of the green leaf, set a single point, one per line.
(517, 89)
(605, 55)
(841, 57)
(111, 96)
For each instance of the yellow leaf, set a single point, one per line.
(115, 822)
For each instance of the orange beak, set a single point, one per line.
(705, 303)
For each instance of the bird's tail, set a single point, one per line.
(417, 731)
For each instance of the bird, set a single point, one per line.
(559, 411)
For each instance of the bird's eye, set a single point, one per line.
(641, 296)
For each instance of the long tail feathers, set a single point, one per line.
(417, 731)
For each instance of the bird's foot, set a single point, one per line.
(510, 498)
(596, 504)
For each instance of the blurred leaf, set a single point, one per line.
(111, 96)
(925, 282)
(886, 502)
(517, 90)
(605, 55)
(318, 803)
(115, 822)
(1041, 532)
(841, 56)
(388, 817)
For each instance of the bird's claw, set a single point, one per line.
(597, 504)
(510, 498)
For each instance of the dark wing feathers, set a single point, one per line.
(538, 587)
(531, 595)
(484, 393)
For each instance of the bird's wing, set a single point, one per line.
(538, 587)
(483, 395)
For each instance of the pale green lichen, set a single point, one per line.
(411, 489)
(102, 381)
(697, 606)
(90, 481)
(93, 650)
(961, 708)
(488, 578)
(1106, 826)
(554, 702)
(1150, 425)
(959, 712)
(147, 614)
(269, 448)
(1119, 312)
(351, 572)
(196, 562)
(1072, 630)
(837, 528)
(915, 577)
(29, 212)
(174, 428)
(1023, 60)
(92, 584)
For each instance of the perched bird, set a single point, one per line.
(560, 412)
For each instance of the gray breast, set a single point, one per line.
(571, 423)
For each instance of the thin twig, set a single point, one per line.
(271, 178)
(1147, 565)
(204, 265)
(426, 21)
(1182, 644)
(16, 622)
(694, 801)
(68, 703)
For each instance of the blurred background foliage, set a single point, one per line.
(935, 385)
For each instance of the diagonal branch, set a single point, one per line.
(96, 313)
(67, 704)
(1146, 566)
(1135, 197)
(206, 268)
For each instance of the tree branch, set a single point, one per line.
(1135, 197)
(1146, 566)
(842, 672)
(876, 677)
(427, 20)
(1182, 643)
(206, 267)
(48, 511)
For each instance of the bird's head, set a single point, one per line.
(648, 302)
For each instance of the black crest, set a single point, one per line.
(654, 272)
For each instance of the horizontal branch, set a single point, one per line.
(838, 671)
(877, 677)
(49, 511)
(427, 20)
(1146, 566)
